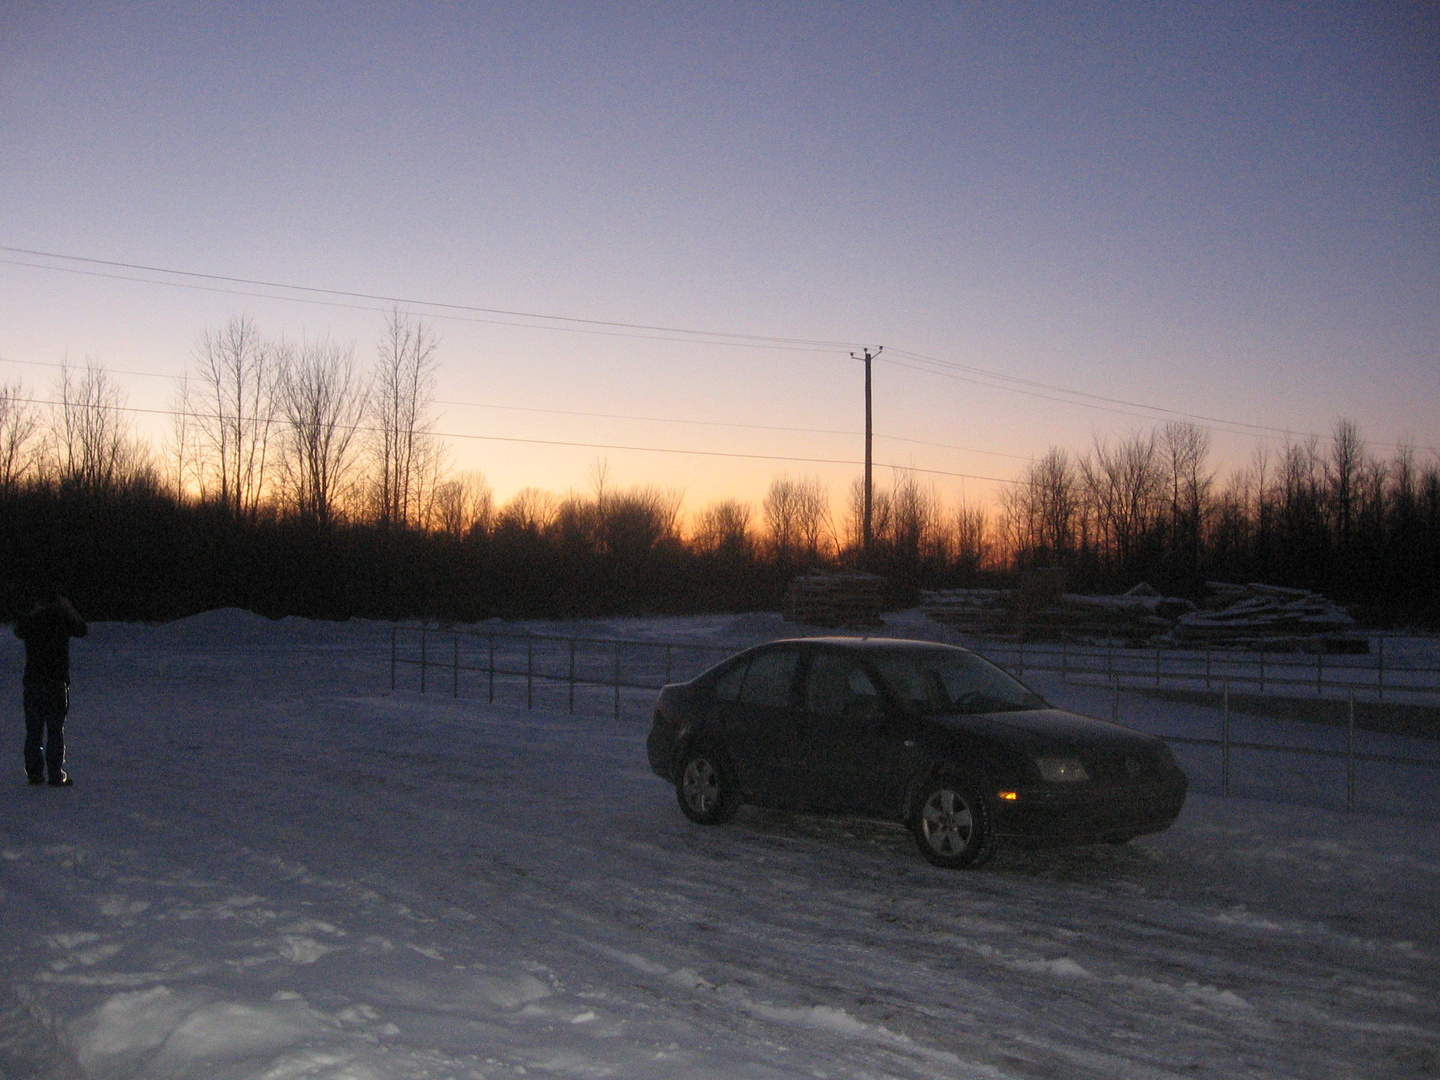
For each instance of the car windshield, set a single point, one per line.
(950, 683)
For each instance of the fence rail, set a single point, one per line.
(1337, 674)
(545, 665)
(622, 676)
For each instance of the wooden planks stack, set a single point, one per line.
(823, 598)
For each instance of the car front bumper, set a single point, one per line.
(1089, 813)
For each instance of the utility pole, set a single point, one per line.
(869, 534)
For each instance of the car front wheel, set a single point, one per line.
(951, 824)
(706, 789)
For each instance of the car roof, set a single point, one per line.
(868, 644)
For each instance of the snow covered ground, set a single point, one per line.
(273, 867)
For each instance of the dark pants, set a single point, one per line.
(46, 704)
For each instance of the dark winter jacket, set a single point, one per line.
(46, 632)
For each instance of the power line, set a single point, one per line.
(716, 337)
(682, 421)
(932, 365)
(191, 414)
(968, 373)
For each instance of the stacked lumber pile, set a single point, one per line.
(1134, 617)
(1268, 617)
(982, 612)
(822, 598)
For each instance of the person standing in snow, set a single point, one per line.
(47, 631)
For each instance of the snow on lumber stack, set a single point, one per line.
(1254, 616)
(821, 598)
(978, 611)
(1263, 615)
(1137, 615)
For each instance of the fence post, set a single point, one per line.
(1115, 696)
(1158, 653)
(1225, 745)
(392, 659)
(423, 637)
(529, 673)
(455, 690)
(1380, 672)
(492, 668)
(617, 680)
(1207, 669)
(1350, 759)
(1064, 658)
(572, 676)
(668, 667)
(1021, 674)
(1262, 670)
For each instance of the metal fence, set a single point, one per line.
(550, 670)
(621, 676)
(1368, 675)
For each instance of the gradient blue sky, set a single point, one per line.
(1226, 210)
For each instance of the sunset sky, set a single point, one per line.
(1063, 222)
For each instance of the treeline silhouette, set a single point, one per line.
(297, 484)
(134, 550)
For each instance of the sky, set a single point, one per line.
(476, 891)
(663, 230)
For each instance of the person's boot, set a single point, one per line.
(61, 781)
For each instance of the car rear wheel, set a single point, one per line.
(706, 788)
(952, 824)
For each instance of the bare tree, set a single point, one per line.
(972, 537)
(1042, 515)
(1124, 484)
(1343, 476)
(19, 445)
(881, 515)
(464, 505)
(797, 517)
(92, 446)
(1300, 486)
(233, 404)
(782, 514)
(1184, 448)
(724, 527)
(633, 523)
(406, 455)
(530, 510)
(914, 532)
(814, 519)
(321, 404)
(181, 453)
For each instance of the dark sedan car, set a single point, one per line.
(925, 734)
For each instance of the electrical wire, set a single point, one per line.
(921, 362)
(435, 307)
(969, 373)
(191, 414)
(618, 416)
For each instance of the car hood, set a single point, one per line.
(1043, 730)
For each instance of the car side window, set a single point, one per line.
(838, 688)
(727, 685)
(767, 682)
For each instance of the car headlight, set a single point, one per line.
(1061, 770)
